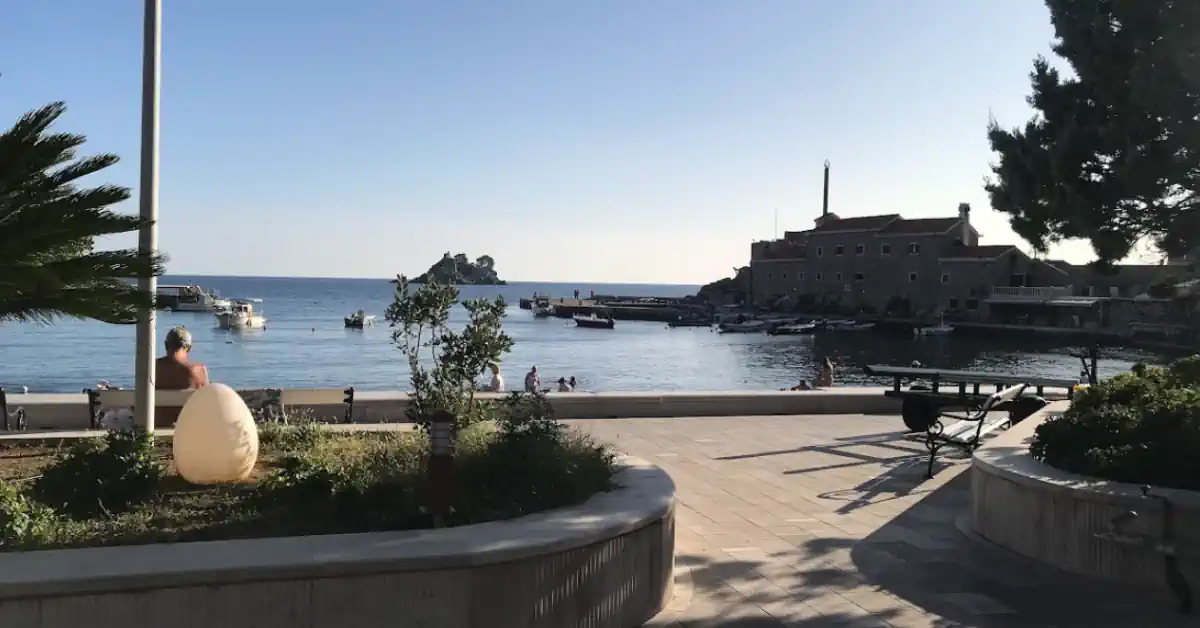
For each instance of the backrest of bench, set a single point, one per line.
(126, 398)
(312, 397)
(1004, 396)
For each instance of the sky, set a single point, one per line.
(616, 141)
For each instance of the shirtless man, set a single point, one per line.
(174, 371)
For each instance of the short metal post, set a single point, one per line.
(441, 466)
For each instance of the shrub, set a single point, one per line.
(442, 362)
(95, 478)
(22, 520)
(528, 463)
(291, 431)
(1141, 427)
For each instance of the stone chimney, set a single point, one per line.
(964, 218)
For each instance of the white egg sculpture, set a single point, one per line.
(216, 439)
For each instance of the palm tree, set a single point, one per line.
(48, 224)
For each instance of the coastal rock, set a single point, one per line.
(216, 440)
(458, 270)
(727, 291)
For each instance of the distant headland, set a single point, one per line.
(458, 270)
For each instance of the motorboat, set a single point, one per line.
(794, 329)
(595, 322)
(541, 308)
(851, 326)
(241, 315)
(937, 330)
(359, 320)
(690, 322)
(745, 327)
(189, 298)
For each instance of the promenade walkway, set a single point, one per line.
(816, 521)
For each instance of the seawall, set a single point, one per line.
(70, 411)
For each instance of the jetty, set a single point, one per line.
(622, 308)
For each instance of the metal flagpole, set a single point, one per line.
(148, 234)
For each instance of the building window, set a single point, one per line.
(952, 304)
(837, 277)
(783, 275)
(770, 275)
(859, 276)
(972, 304)
(914, 248)
(912, 277)
(820, 251)
(945, 277)
(838, 250)
(860, 249)
(820, 276)
(800, 276)
(885, 249)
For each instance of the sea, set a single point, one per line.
(305, 344)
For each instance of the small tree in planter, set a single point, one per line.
(443, 362)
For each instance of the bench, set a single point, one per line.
(963, 389)
(262, 401)
(970, 427)
(18, 414)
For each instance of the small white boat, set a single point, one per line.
(241, 315)
(937, 330)
(541, 308)
(189, 298)
(796, 329)
(359, 320)
(747, 327)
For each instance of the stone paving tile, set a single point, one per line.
(816, 521)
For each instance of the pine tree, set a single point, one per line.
(1113, 153)
(48, 223)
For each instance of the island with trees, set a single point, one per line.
(460, 271)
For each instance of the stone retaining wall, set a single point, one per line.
(1054, 517)
(605, 564)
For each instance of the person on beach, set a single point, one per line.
(563, 386)
(532, 381)
(497, 383)
(175, 370)
(824, 375)
(572, 383)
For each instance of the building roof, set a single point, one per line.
(919, 225)
(858, 223)
(986, 252)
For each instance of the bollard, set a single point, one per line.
(441, 466)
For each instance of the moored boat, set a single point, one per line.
(594, 322)
(541, 308)
(937, 330)
(241, 315)
(189, 298)
(690, 322)
(795, 329)
(359, 320)
(745, 327)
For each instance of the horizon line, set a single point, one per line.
(508, 281)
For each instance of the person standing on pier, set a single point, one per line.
(577, 294)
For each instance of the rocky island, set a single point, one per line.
(460, 271)
(727, 291)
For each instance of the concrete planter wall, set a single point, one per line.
(605, 564)
(65, 411)
(1053, 516)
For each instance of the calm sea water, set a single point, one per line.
(306, 345)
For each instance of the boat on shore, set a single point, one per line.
(594, 322)
(744, 327)
(241, 315)
(188, 298)
(794, 329)
(359, 320)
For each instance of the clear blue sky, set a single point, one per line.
(621, 140)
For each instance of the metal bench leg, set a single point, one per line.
(933, 447)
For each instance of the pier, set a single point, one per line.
(622, 308)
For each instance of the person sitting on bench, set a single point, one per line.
(176, 371)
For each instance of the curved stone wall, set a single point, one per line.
(1063, 519)
(605, 564)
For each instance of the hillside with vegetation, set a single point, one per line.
(460, 271)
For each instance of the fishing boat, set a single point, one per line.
(746, 327)
(594, 322)
(241, 315)
(188, 298)
(795, 329)
(359, 320)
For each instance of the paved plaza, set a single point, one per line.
(814, 521)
